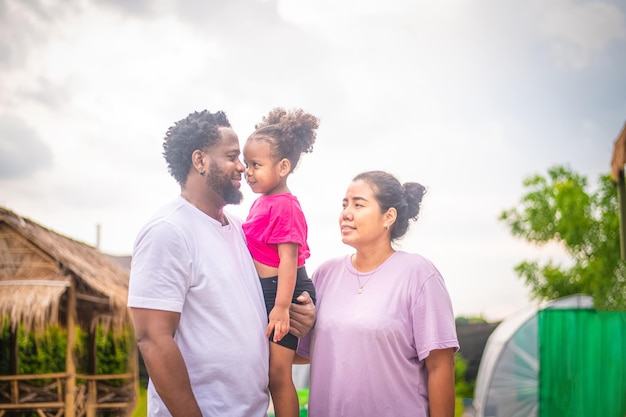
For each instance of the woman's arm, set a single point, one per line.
(440, 365)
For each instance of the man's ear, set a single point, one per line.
(199, 161)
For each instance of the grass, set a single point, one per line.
(142, 408)
(458, 407)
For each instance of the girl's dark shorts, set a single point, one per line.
(270, 285)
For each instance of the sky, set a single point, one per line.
(467, 97)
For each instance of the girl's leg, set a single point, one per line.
(284, 396)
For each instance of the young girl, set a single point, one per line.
(276, 232)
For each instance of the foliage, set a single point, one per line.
(45, 352)
(559, 208)
(141, 410)
(113, 352)
(38, 353)
(469, 320)
(42, 353)
(462, 388)
(458, 407)
(5, 340)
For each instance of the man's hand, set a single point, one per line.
(302, 316)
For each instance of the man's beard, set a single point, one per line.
(222, 184)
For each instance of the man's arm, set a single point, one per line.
(302, 316)
(154, 331)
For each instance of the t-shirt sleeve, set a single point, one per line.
(433, 318)
(286, 225)
(160, 269)
(304, 346)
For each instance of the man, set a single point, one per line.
(194, 294)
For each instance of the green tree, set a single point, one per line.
(560, 208)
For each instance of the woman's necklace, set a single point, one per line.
(361, 286)
(358, 276)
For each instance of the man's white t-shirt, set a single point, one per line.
(187, 262)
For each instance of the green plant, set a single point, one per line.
(462, 388)
(141, 409)
(45, 351)
(560, 209)
(41, 353)
(5, 338)
(458, 407)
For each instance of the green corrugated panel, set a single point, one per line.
(582, 363)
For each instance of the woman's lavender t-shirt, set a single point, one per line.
(367, 350)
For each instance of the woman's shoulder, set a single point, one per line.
(411, 257)
(331, 265)
(333, 262)
(414, 261)
(330, 269)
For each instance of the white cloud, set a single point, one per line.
(579, 31)
(453, 94)
(22, 152)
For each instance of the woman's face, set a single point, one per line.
(361, 221)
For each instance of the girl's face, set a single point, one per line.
(263, 172)
(361, 221)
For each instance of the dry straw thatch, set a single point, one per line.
(618, 158)
(38, 270)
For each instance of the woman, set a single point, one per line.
(385, 338)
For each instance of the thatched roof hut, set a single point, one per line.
(37, 266)
(618, 160)
(47, 279)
